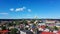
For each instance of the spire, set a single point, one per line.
(36, 17)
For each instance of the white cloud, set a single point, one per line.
(3, 13)
(12, 9)
(24, 7)
(29, 10)
(20, 9)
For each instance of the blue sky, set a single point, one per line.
(16, 9)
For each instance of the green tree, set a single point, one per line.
(55, 28)
(17, 22)
(13, 31)
(47, 27)
(32, 21)
(25, 22)
(3, 27)
(10, 24)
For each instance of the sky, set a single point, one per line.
(18, 9)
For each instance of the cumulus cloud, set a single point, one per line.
(3, 13)
(29, 10)
(24, 7)
(12, 9)
(20, 9)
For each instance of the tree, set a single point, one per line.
(47, 27)
(32, 21)
(17, 22)
(10, 24)
(55, 28)
(3, 27)
(13, 31)
(25, 22)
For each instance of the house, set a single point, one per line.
(50, 22)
